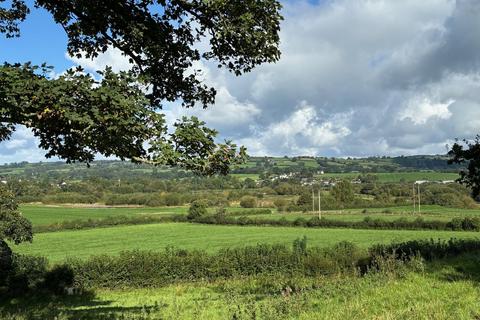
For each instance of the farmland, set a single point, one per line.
(86, 222)
(59, 245)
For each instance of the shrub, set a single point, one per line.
(281, 204)
(197, 209)
(248, 202)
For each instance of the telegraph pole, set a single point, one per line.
(413, 195)
(313, 200)
(319, 205)
(419, 198)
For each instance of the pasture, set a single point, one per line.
(44, 215)
(57, 246)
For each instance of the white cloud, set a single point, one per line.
(303, 132)
(112, 58)
(422, 110)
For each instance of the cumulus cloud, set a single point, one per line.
(301, 132)
(112, 58)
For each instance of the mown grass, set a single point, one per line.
(431, 294)
(57, 246)
(45, 215)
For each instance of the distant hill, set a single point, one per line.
(112, 169)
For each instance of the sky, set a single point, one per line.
(356, 78)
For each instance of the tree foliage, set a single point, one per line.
(197, 209)
(13, 227)
(468, 153)
(343, 192)
(76, 116)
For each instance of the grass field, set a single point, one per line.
(44, 215)
(59, 245)
(430, 212)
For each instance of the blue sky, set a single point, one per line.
(41, 41)
(356, 78)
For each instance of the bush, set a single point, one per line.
(281, 204)
(248, 202)
(197, 209)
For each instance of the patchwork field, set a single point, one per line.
(446, 289)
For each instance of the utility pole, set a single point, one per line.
(319, 205)
(419, 198)
(313, 201)
(413, 195)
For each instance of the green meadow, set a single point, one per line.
(57, 246)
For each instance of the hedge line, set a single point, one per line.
(427, 249)
(109, 222)
(146, 268)
(151, 269)
(134, 269)
(456, 224)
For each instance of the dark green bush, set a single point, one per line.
(197, 209)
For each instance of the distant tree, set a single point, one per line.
(468, 153)
(197, 209)
(284, 188)
(343, 192)
(248, 202)
(75, 116)
(305, 199)
(249, 183)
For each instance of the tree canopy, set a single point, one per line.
(77, 116)
(468, 153)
